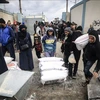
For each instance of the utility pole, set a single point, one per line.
(67, 10)
(20, 8)
(75, 1)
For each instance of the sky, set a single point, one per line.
(50, 8)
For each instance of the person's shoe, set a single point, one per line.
(84, 84)
(98, 79)
(74, 77)
(69, 78)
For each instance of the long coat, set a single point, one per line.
(25, 56)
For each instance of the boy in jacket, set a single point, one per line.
(90, 55)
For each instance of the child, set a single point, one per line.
(49, 43)
(90, 55)
(37, 45)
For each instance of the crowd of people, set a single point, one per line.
(46, 36)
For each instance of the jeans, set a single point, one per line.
(49, 54)
(87, 66)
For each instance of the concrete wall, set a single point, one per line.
(76, 14)
(92, 13)
(29, 22)
(6, 16)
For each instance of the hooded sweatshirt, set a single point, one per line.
(49, 42)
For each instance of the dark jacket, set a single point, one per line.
(92, 51)
(21, 40)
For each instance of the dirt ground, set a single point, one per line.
(68, 90)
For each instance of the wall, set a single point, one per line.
(92, 13)
(29, 22)
(76, 14)
(6, 16)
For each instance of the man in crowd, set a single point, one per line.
(7, 38)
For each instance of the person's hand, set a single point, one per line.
(95, 74)
(55, 54)
(18, 51)
(62, 42)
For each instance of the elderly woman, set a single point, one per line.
(24, 46)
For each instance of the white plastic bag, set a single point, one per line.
(8, 59)
(51, 63)
(52, 68)
(82, 41)
(48, 59)
(53, 75)
(49, 72)
(71, 59)
(13, 66)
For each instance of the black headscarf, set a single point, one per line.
(22, 34)
(97, 43)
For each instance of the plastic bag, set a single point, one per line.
(8, 59)
(48, 59)
(50, 75)
(71, 59)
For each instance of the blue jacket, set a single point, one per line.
(49, 43)
(6, 35)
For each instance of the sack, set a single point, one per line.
(8, 59)
(71, 59)
(50, 75)
(51, 63)
(24, 47)
(81, 41)
(13, 66)
(48, 59)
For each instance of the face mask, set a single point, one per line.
(2, 26)
(23, 31)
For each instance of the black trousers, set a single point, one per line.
(74, 67)
(10, 48)
(38, 54)
(3, 66)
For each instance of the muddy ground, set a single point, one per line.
(68, 90)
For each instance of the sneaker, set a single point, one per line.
(84, 84)
(98, 79)
(69, 78)
(74, 77)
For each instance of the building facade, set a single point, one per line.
(86, 13)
